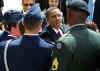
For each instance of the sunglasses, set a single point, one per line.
(28, 4)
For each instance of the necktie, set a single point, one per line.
(59, 34)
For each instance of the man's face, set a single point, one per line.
(53, 3)
(55, 18)
(27, 4)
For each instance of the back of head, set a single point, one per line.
(78, 5)
(77, 12)
(12, 17)
(33, 15)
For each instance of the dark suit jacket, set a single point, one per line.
(50, 35)
(77, 50)
(28, 53)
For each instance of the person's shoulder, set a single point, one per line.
(16, 42)
(45, 44)
(13, 42)
(46, 32)
(3, 33)
(3, 43)
(94, 32)
(94, 35)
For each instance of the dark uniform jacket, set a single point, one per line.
(28, 53)
(50, 35)
(5, 35)
(77, 50)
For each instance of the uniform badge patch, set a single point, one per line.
(55, 64)
(59, 45)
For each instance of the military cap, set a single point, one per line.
(34, 13)
(13, 16)
(79, 5)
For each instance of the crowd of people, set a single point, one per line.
(50, 37)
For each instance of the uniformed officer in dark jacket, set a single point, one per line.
(29, 52)
(10, 19)
(79, 48)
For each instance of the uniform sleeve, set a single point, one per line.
(55, 57)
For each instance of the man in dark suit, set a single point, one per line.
(29, 52)
(79, 48)
(54, 20)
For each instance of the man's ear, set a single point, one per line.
(13, 29)
(23, 23)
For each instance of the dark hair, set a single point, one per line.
(21, 27)
(49, 10)
(8, 26)
(30, 23)
(23, 1)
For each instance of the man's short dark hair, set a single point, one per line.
(49, 10)
(23, 1)
(31, 24)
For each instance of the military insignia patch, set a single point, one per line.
(55, 64)
(59, 45)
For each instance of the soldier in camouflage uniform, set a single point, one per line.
(79, 48)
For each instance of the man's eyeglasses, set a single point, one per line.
(28, 4)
